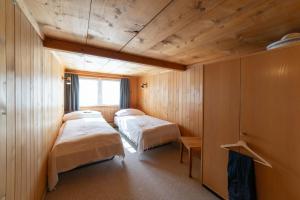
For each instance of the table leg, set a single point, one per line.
(181, 151)
(191, 162)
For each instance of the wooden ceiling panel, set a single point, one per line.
(180, 31)
(53, 32)
(249, 30)
(165, 26)
(230, 27)
(64, 19)
(108, 53)
(83, 62)
(115, 22)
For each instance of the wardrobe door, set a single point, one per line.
(221, 120)
(270, 119)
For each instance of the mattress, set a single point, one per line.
(146, 131)
(82, 141)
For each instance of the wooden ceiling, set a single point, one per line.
(182, 31)
(83, 62)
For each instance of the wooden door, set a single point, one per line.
(221, 120)
(270, 119)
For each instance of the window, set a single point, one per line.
(110, 92)
(97, 92)
(88, 92)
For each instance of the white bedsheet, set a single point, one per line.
(146, 131)
(82, 141)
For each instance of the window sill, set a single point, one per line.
(101, 106)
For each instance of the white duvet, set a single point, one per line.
(82, 141)
(146, 131)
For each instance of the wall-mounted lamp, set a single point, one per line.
(67, 80)
(144, 85)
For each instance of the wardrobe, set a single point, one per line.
(255, 99)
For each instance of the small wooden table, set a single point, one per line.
(191, 144)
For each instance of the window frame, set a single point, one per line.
(99, 91)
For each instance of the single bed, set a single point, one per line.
(144, 130)
(85, 137)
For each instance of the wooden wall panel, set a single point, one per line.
(175, 96)
(108, 112)
(221, 120)
(270, 119)
(10, 99)
(18, 94)
(2, 101)
(33, 89)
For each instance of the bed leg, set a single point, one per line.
(140, 156)
(122, 158)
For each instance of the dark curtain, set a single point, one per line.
(124, 93)
(71, 93)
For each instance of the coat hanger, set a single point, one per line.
(244, 145)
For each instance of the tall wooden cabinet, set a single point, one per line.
(221, 120)
(270, 119)
(268, 100)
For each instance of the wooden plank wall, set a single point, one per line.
(31, 106)
(175, 96)
(2, 101)
(108, 112)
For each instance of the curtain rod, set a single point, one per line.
(97, 75)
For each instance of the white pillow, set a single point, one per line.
(82, 114)
(130, 111)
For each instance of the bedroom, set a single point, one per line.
(123, 99)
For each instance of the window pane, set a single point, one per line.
(110, 92)
(88, 92)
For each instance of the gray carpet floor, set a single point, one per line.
(156, 175)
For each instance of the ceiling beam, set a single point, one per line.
(107, 53)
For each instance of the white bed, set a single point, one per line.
(146, 131)
(82, 140)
